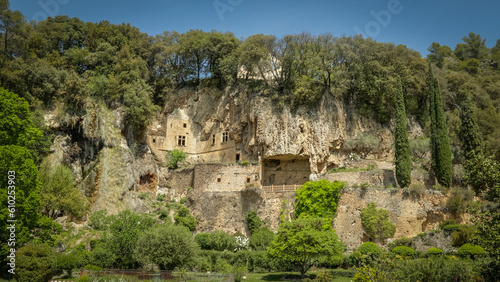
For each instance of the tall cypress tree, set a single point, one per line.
(469, 130)
(440, 142)
(402, 152)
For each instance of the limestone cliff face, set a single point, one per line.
(258, 128)
(283, 147)
(108, 170)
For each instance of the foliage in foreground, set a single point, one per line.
(303, 242)
(167, 246)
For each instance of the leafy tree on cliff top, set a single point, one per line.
(403, 155)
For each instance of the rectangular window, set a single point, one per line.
(237, 157)
(213, 139)
(184, 125)
(181, 140)
(225, 136)
(218, 179)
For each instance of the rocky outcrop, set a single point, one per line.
(412, 214)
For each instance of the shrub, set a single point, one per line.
(183, 217)
(35, 263)
(143, 195)
(375, 222)
(445, 223)
(370, 248)
(400, 242)
(469, 250)
(363, 143)
(98, 220)
(175, 157)
(435, 269)
(203, 240)
(459, 201)
(221, 241)
(84, 278)
(417, 189)
(419, 147)
(261, 239)
(182, 201)
(164, 215)
(253, 221)
(432, 251)
(404, 251)
(463, 235)
(318, 198)
(166, 245)
(160, 197)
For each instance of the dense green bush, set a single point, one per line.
(167, 246)
(184, 218)
(253, 221)
(376, 222)
(217, 241)
(432, 251)
(400, 242)
(261, 239)
(434, 269)
(318, 198)
(175, 157)
(404, 251)
(35, 263)
(370, 248)
(463, 235)
(459, 201)
(469, 250)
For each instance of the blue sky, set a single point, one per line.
(414, 23)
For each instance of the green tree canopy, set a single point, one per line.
(304, 242)
(117, 248)
(175, 157)
(168, 246)
(35, 263)
(59, 193)
(376, 222)
(16, 127)
(318, 199)
(261, 239)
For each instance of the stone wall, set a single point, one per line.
(376, 178)
(224, 177)
(411, 214)
(227, 210)
(285, 171)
